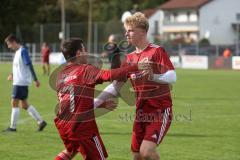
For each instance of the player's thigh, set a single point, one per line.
(19, 93)
(93, 148)
(157, 129)
(14, 102)
(71, 146)
(137, 136)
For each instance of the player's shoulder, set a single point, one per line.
(24, 50)
(156, 47)
(131, 53)
(152, 45)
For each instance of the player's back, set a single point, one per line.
(21, 72)
(75, 87)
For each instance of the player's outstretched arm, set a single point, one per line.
(109, 92)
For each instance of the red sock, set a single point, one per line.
(62, 156)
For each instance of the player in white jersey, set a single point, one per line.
(22, 75)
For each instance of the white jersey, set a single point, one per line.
(21, 71)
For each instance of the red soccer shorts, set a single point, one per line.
(151, 127)
(91, 148)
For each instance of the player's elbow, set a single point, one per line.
(174, 77)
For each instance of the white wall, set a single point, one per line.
(217, 17)
(157, 16)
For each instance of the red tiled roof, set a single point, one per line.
(149, 12)
(183, 4)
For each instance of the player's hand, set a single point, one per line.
(10, 77)
(148, 73)
(37, 83)
(146, 66)
(109, 104)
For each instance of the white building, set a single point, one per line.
(219, 19)
(155, 18)
(193, 20)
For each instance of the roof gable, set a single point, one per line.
(183, 4)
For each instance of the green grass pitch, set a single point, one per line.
(205, 126)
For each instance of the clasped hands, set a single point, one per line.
(146, 67)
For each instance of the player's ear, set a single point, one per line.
(78, 53)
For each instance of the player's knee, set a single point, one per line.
(147, 154)
(136, 156)
(24, 107)
(63, 156)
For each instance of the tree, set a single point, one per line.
(30, 12)
(14, 12)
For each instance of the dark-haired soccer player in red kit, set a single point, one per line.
(153, 97)
(75, 119)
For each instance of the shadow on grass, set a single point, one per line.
(206, 98)
(185, 135)
(116, 133)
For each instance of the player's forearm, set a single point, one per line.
(121, 74)
(168, 77)
(109, 92)
(33, 72)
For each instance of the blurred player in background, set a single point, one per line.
(153, 97)
(112, 51)
(75, 85)
(45, 50)
(21, 76)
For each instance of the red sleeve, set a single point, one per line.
(119, 74)
(124, 62)
(162, 61)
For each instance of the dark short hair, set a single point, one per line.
(70, 47)
(11, 38)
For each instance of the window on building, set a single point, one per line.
(238, 17)
(175, 16)
(188, 15)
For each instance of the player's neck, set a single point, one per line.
(18, 46)
(142, 46)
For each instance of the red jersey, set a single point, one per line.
(75, 88)
(45, 51)
(155, 94)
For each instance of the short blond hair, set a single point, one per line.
(137, 20)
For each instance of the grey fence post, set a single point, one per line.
(197, 48)
(179, 49)
(41, 34)
(33, 52)
(95, 37)
(237, 44)
(68, 30)
(217, 50)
